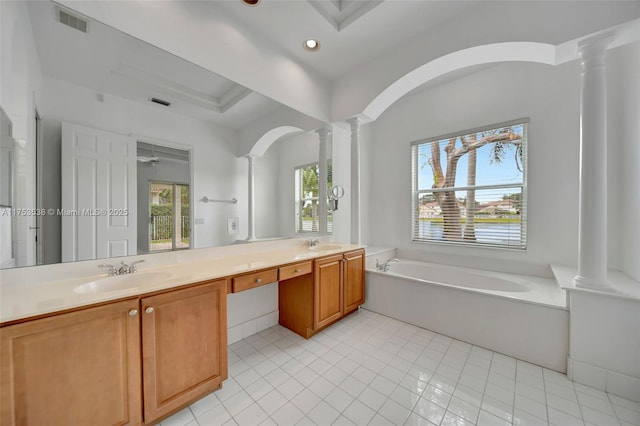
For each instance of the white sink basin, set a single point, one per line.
(120, 282)
(326, 247)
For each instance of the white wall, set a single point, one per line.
(216, 168)
(20, 95)
(275, 191)
(546, 22)
(549, 96)
(623, 69)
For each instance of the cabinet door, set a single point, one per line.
(353, 280)
(327, 289)
(80, 368)
(184, 346)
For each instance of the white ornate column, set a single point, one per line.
(592, 237)
(251, 223)
(323, 136)
(356, 230)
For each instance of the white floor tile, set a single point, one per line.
(531, 406)
(205, 404)
(437, 396)
(359, 413)
(383, 385)
(238, 402)
(371, 369)
(321, 387)
(563, 405)
(451, 419)
(306, 401)
(352, 386)
(339, 399)
(251, 415)
(181, 418)
(404, 397)
(463, 409)
(469, 395)
(323, 414)
(364, 375)
(290, 388)
(416, 420)
(559, 418)
(498, 408)
(214, 417)
(522, 418)
(429, 410)
(487, 419)
(272, 401)
(288, 414)
(627, 415)
(597, 417)
(394, 412)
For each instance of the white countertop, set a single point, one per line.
(29, 292)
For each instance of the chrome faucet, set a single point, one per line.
(312, 243)
(124, 269)
(384, 267)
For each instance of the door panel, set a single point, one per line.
(353, 281)
(99, 187)
(81, 368)
(327, 291)
(184, 346)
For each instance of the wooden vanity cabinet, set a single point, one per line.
(84, 367)
(311, 302)
(78, 368)
(184, 346)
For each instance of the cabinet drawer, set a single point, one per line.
(246, 282)
(296, 270)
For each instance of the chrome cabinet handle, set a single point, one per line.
(259, 280)
(149, 310)
(296, 271)
(133, 312)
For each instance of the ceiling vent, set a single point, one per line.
(161, 102)
(73, 21)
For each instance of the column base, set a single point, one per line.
(583, 282)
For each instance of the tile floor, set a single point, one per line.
(371, 369)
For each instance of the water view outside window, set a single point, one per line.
(169, 225)
(307, 198)
(471, 187)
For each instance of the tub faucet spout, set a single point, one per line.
(384, 267)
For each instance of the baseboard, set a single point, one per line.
(613, 382)
(251, 327)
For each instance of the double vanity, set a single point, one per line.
(132, 349)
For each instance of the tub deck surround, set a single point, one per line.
(604, 339)
(523, 288)
(521, 316)
(31, 292)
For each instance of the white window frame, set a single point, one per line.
(417, 193)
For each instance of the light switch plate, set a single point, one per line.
(233, 225)
(199, 221)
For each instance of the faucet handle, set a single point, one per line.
(112, 268)
(133, 266)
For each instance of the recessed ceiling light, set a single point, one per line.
(251, 2)
(311, 45)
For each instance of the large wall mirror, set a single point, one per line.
(113, 147)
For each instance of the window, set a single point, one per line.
(470, 187)
(307, 198)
